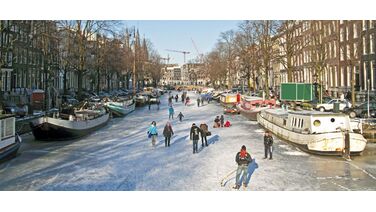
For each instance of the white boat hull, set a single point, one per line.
(325, 143)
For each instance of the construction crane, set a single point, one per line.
(183, 52)
(199, 55)
(166, 59)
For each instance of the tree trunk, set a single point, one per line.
(65, 81)
(98, 80)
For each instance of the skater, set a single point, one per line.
(204, 131)
(167, 133)
(217, 122)
(268, 144)
(176, 98)
(149, 103)
(153, 133)
(194, 136)
(227, 124)
(182, 98)
(180, 116)
(186, 101)
(243, 158)
(198, 102)
(222, 120)
(170, 101)
(158, 103)
(171, 112)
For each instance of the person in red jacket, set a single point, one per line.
(227, 124)
(243, 159)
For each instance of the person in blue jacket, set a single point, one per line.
(153, 132)
(171, 113)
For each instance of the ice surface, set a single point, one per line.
(120, 157)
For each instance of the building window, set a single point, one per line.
(347, 33)
(342, 76)
(355, 50)
(372, 70)
(364, 25)
(371, 47)
(365, 75)
(341, 34)
(355, 30)
(335, 76)
(348, 75)
(348, 55)
(364, 46)
(342, 54)
(335, 49)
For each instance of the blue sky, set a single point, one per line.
(177, 35)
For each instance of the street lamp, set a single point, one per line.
(315, 84)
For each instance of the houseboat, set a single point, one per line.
(313, 131)
(229, 99)
(81, 122)
(250, 106)
(10, 142)
(121, 108)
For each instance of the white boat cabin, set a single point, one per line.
(308, 122)
(7, 128)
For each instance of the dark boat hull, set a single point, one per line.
(48, 131)
(10, 150)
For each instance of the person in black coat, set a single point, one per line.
(167, 133)
(195, 136)
(243, 159)
(268, 144)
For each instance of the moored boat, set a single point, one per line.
(250, 106)
(313, 131)
(10, 142)
(120, 109)
(80, 123)
(229, 99)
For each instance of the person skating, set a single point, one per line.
(153, 133)
(243, 158)
(149, 103)
(180, 116)
(227, 124)
(187, 100)
(167, 133)
(195, 136)
(182, 98)
(198, 102)
(204, 131)
(217, 122)
(222, 120)
(268, 145)
(176, 98)
(170, 112)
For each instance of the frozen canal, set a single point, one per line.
(120, 157)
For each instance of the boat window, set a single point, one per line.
(2, 129)
(295, 122)
(332, 120)
(8, 127)
(317, 123)
(284, 122)
(301, 124)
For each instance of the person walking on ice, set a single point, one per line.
(198, 102)
(268, 144)
(243, 159)
(204, 133)
(222, 120)
(176, 98)
(167, 133)
(170, 112)
(180, 116)
(195, 136)
(153, 133)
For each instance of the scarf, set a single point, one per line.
(243, 153)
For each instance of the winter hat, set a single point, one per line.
(243, 147)
(193, 124)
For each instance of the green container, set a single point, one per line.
(336, 107)
(302, 92)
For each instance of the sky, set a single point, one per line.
(178, 35)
